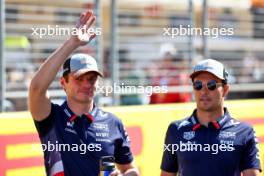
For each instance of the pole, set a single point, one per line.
(191, 37)
(114, 51)
(2, 60)
(205, 25)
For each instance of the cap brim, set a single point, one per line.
(83, 71)
(204, 71)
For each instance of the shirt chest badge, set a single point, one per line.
(69, 128)
(101, 126)
(102, 133)
(189, 135)
(227, 135)
(69, 124)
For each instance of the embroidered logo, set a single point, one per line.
(189, 135)
(183, 123)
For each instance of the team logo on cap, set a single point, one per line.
(202, 67)
(85, 61)
(189, 135)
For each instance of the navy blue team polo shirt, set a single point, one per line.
(90, 137)
(225, 148)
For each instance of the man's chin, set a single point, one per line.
(205, 108)
(84, 100)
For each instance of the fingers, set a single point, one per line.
(86, 19)
(92, 36)
(116, 173)
(90, 20)
(85, 36)
(81, 21)
(87, 15)
(84, 24)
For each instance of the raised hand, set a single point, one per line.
(116, 173)
(84, 34)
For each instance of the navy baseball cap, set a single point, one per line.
(79, 64)
(211, 66)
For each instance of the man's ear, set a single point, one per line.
(62, 82)
(97, 82)
(226, 90)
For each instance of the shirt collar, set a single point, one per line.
(217, 124)
(72, 116)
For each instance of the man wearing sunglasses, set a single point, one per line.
(210, 142)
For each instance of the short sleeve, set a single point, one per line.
(123, 154)
(44, 126)
(250, 153)
(169, 159)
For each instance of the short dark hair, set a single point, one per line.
(66, 77)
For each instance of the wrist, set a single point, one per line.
(74, 42)
(131, 172)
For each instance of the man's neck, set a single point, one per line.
(80, 108)
(205, 117)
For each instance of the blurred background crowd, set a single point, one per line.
(132, 48)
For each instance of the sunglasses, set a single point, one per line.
(211, 85)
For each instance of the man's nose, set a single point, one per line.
(204, 89)
(86, 83)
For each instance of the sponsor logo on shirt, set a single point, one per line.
(183, 123)
(227, 142)
(69, 128)
(227, 137)
(103, 135)
(189, 135)
(227, 134)
(232, 122)
(101, 126)
(69, 124)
